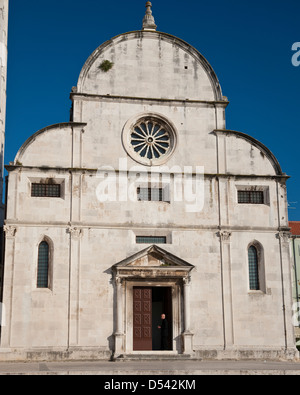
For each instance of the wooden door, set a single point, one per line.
(142, 319)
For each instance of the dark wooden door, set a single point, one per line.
(142, 319)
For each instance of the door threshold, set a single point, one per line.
(153, 352)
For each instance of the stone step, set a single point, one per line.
(154, 356)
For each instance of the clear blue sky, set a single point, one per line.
(248, 43)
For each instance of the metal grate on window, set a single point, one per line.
(45, 190)
(253, 269)
(251, 197)
(150, 194)
(43, 265)
(151, 240)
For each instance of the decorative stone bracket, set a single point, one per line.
(10, 231)
(284, 236)
(224, 236)
(75, 232)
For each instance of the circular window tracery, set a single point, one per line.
(150, 140)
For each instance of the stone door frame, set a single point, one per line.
(177, 319)
(166, 270)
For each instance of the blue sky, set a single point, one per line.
(248, 43)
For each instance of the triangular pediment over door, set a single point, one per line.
(153, 262)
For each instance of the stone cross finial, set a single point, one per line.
(149, 22)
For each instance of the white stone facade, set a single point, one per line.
(94, 259)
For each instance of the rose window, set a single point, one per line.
(150, 141)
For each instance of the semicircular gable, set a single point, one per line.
(48, 147)
(246, 155)
(149, 64)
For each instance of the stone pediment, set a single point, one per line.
(153, 262)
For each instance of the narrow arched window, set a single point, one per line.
(43, 265)
(253, 268)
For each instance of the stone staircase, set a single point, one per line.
(154, 356)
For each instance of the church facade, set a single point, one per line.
(146, 204)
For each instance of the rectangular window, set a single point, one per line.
(151, 240)
(251, 197)
(45, 190)
(150, 194)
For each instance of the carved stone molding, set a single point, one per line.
(147, 264)
(187, 280)
(10, 231)
(119, 280)
(284, 236)
(224, 236)
(75, 232)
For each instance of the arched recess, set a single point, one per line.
(44, 266)
(256, 267)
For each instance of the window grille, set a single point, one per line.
(251, 197)
(43, 265)
(150, 194)
(151, 240)
(253, 269)
(45, 190)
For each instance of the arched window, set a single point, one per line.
(43, 265)
(253, 269)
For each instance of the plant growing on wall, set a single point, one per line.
(106, 65)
